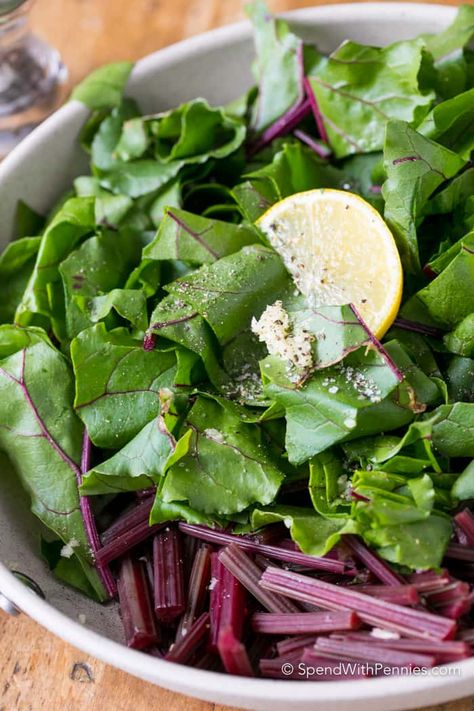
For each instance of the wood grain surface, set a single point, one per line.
(37, 671)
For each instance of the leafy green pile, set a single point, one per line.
(127, 311)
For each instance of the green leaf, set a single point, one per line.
(456, 36)
(42, 437)
(359, 89)
(326, 485)
(460, 379)
(130, 304)
(415, 167)
(163, 511)
(453, 429)
(314, 534)
(16, 265)
(450, 297)
(117, 384)
(28, 222)
(463, 487)
(104, 142)
(176, 321)
(195, 132)
(99, 265)
(327, 408)
(197, 239)
(227, 468)
(104, 87)
(453, 197)
(278, 67)
(138, 465)
(294, 169)
(71, 223)
(420, 545)
(451, 123)
(68, 570)
(231, 291)
(141, 177)
(461, 339)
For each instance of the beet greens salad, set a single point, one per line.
(237, 362)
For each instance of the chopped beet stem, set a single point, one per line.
(465, 520)
(444, 652)
(304, 622)
(92, 534)
(458, 551)
(233, 654)
(317, 145)
(372, 653)
(401, 594)
(128, 520)
(330, 565)
(379, 613)
(135, 605)
(291, 644)
(126, 541)
(215, 600)
(168, 575)
(183, 649)
(197, 588)
(372, 561)
(249, 574)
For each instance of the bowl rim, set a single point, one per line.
(168, 674)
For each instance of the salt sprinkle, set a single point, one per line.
(282, 338)
(68, 549)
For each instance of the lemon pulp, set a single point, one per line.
(339, 251)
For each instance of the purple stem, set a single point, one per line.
(304, 622)
(168, 576)
(273, 668)
(231, 623)
(316, 112)
(233, 654)
(459, 552)
(123, 543)
(135, 605)
(372, 653)
(282, 126)
(401, 595)
(288, 556)
(89, 520)
(372, 561)
(444, 652)
(183, 649)
(197, 589)
(378, 346)
(429, 581)
(128, 520)
(378, 613)
(416, 327)
(332, 667)
(292, 644)
(149, 341)
(465, 521)
(249, 574)
(319, 147)
(215, 600)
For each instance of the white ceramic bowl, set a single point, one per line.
(215, 65)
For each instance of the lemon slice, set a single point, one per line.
(339, 251)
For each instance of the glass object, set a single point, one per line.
(32, 76)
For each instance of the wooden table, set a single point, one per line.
(37, 670)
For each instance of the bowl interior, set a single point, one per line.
(217, 67)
